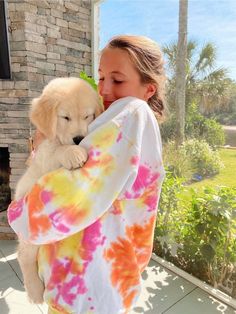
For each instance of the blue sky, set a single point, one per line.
(208, 21)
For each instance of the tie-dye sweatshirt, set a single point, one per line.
(95, 225)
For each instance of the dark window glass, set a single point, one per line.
(4, 51)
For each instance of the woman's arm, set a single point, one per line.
(64, 202)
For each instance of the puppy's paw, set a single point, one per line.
(73, 157)
(35, 290)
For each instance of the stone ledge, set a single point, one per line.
(6, 232)
(7, 235)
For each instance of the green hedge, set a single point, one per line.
(198, 234)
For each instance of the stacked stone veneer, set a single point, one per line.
(47, 39)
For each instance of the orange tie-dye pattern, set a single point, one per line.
(124, 255)
(55, 308)
(142, 240)
(38, 222)
(124, 275)
(118, 207)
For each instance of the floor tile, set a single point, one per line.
(199, 301)
(7, 250)
(13, 262)
(8, 247)
(9, 284)
(13, 299)
(17, 303)
(5, 269)
(161, 289)
(43, 308)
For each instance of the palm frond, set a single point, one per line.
(170, 52)
(216, 75)
(207, 58)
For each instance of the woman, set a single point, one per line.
(95, 225)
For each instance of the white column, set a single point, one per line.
(95, 28)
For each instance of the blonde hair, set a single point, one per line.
(148, 61)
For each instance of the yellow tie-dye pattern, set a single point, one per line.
(67, 248)
(66, 191)
(105, 137)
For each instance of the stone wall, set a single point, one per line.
(47, 39)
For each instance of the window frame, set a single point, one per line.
(5, 69)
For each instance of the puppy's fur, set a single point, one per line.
(62, 113)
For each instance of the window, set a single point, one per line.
(4, 51)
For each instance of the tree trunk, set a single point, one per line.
(181, 71)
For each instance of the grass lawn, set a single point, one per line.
(227, 175)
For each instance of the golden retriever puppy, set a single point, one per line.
(62, 113)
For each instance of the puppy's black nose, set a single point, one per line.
(77, 139)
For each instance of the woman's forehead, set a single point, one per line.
(115, 60)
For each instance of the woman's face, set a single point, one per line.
(118, 78)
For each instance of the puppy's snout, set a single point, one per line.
(77, 139)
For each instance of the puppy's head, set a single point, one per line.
(65, 109)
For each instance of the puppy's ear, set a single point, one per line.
(99, 108)
(43, 115)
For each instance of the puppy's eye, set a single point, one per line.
(91, 116)
(67, 118)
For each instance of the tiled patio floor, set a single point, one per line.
(163, 291)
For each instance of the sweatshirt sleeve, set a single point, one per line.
(64, 202)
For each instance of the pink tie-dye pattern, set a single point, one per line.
(134, 160)
(15, 210)
(119, 137)
(116, 211)
(60, 269)
(46, 196)
(144, 179)
(151, 202)
(76, 281)
(55, 219)
(93, 153)
(92, 238)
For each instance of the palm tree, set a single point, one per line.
(180, 84)
(206, 85)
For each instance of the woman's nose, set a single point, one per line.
(104, 88)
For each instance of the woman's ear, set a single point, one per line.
(43, 115)
(150, 90)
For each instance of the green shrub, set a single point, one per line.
(176, 161)
(193, 157)
(194, 122)
(205, 161)
(226, 118)
(198, 234)
(196, 126)
(199, 127)
(213, 133)
(209, 236)
(168, 218)
(168, 128)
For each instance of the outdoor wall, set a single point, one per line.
(47, 39)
